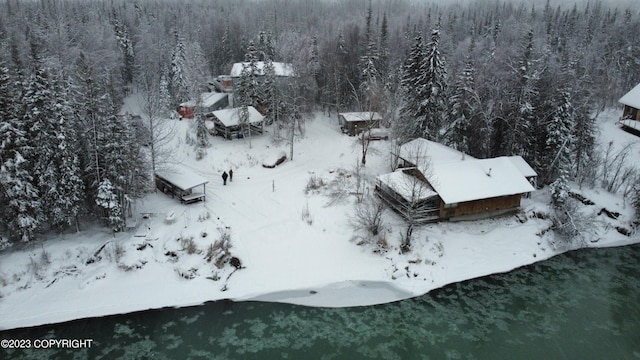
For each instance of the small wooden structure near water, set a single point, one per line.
(183, 184)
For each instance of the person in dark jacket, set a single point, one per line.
(231, 175)
(224, 178)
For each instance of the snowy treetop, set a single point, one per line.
(280, 69)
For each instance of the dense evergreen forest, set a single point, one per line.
(490, 78)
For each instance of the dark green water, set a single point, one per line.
(582, 305)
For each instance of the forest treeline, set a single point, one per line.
(490, 78)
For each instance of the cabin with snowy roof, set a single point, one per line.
(182, 184)
(631, 103)
(353, 123)
(630, 119)
(227, 123)
(434, 182)
(209, 101)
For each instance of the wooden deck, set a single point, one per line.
(192, 198)
(423, 212)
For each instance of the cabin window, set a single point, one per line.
(451, 206)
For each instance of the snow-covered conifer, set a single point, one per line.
(60, 184)
(125, 44)
(107, 199)
(248, 89)
(433, 105)
(464, 106)
(560, 139)
(179, 85)
(520, 93)
(406, 127)
(270, 92)
(21, 212)
(202, 136)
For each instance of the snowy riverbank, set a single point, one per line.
(294, 246)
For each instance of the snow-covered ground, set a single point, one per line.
(294, 245)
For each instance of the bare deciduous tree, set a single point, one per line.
(161, 128)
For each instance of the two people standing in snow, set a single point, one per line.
(225, 176)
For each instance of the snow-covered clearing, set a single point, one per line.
(293, 246)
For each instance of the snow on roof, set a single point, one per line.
(476, 179)
(361, 116)
(281, 69)
(208, 99)
(632, 98)
(525, 169)
(231, 117)
(407, 186)
(182, 178)
(422, 152)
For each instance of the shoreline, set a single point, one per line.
(334, 295)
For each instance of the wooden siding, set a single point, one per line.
(422, 212)
(488, 206)
(356, 127)
(236, 132)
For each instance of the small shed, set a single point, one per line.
(353, 123)
(210, 101)
(182, 184)
(631, 103)
(227, 123)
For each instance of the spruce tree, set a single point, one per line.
(202, 137)
(519, 113)
(383, 51)
(125, 44)
(179, 85)
(406, 127)
(433, 105)
(560, 139)
(464, 106)
(21, 212)
(107, 200)
(248, 90)
(270, 92)
(60, 183)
